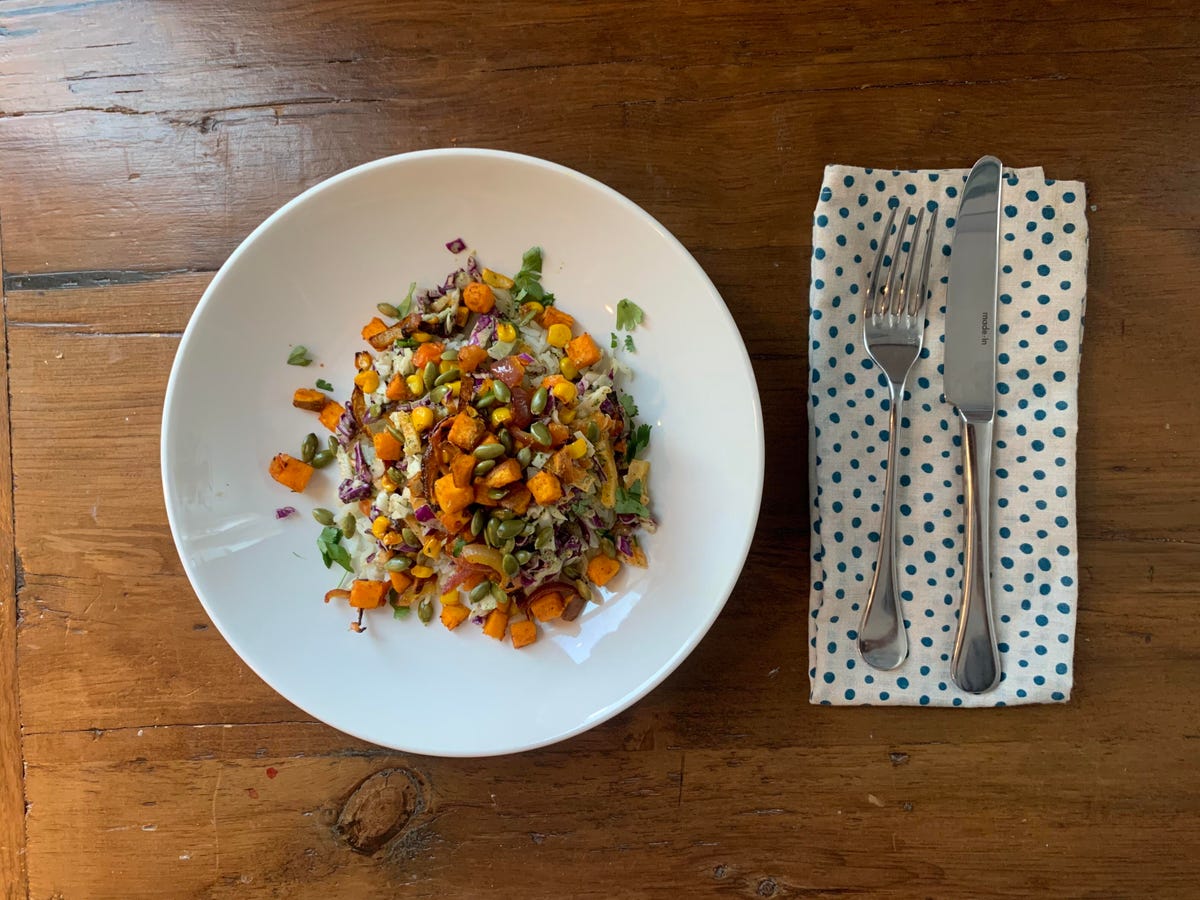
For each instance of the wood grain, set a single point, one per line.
(143, 141)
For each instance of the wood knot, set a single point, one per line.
(380, 808)
(767, 887)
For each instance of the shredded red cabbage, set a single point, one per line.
(284, 511)
(473, 268)
(424, 514)
(458, 245)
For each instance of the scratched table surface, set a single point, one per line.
(140, 142)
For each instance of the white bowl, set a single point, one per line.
(311, 274)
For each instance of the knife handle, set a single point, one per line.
(975, 666)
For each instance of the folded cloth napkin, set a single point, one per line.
(1043, 260)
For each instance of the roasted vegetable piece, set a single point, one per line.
(454, 522)
(387, 447)
(466, 431)
(545, 488)
(372, 328)
(331, 414)
(547, 607)
(504, 474)
(496, 624)
(310, 399)
(450, 497)
(470, 356)
(397, 389)
(291, 472)
(583, 351)
(368, 594)
(523, 633)
(601, 569)
(401, 581)
(478, 297)
(552, 315)
(453, 616)
(428, 352)
(382, 340)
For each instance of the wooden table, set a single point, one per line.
(140, 142)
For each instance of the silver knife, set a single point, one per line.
(969, 378)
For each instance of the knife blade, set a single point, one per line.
(969, 382)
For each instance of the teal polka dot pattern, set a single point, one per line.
(1043, 259)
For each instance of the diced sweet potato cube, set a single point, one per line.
(397, 389)
(523, 633)
(450, 497)
(331, 414)
(517, 499)
(552, 315)
(583, 351)
(428, 352)
(384, 339)
(545, 488)
(469, 358)
(504, 474)
(567, 469)
(401, 581)
(462, 469)
(291, 472)
(372, 328)
(363, 360)
(466, 431)
(558, 433)
(601, 569)
(548, 607)
(481, 496)
(453, 616)
(387, 447)
(368, 594)
(495, 624)
(454, 522)
(310, 399)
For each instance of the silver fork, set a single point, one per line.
(893, 332)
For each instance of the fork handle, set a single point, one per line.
(882, 640)
(975, 666)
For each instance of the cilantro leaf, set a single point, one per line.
(299, 356)
(628, 405)
(629, 343)
(531, 260)
(329, 543)
(406, 304)
(629, 315)
(341, 556)
(528, 281)
(614, 340)
(630, 504)
(324, 385)
(639, 439)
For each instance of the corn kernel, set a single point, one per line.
(451, 598)
(558, 335)
(446, 365)
(416, 385)
(422, 336)
(421, 572)
(566, 416)
(387, 485)
(501, 415)
(432, 548)
(577, 449)
(455, 387)
(565, 391)
(506, 332)
(368, 380)
(568, 369)
(422, 418)
(380, 526)
(496, 280)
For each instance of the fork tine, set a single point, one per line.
(918, 303)
(873, 286)
(901, 301)
(890, 288)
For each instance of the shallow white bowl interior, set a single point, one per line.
(311, 275)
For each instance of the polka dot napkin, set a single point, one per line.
(1043, 259)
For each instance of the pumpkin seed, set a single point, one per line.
(510, 565)
(489, 451)
(572, 569)
(333, 443)
(349, 525)
(524, 457)
(506, 439)
(489, 533)
(395, 432)
(388, 310)
(593, 432)
(398, 564)
(497, 493)
(498, 595)
(425, 610)
(322, 459)
(502, 515)
(608, 548)
(483, 467)
(308, 448)
(324, 516)
(477, 522)
(538, 402)
(541, 434)
(480, 591)
(438, 394)
(544, 539)
(510, 529)
(409, 536)
(508, 546)
(585, 589)
(451, 374)
(502, 391)
(484, 400)
(430, 375)
(523, 556)
(450, 355)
